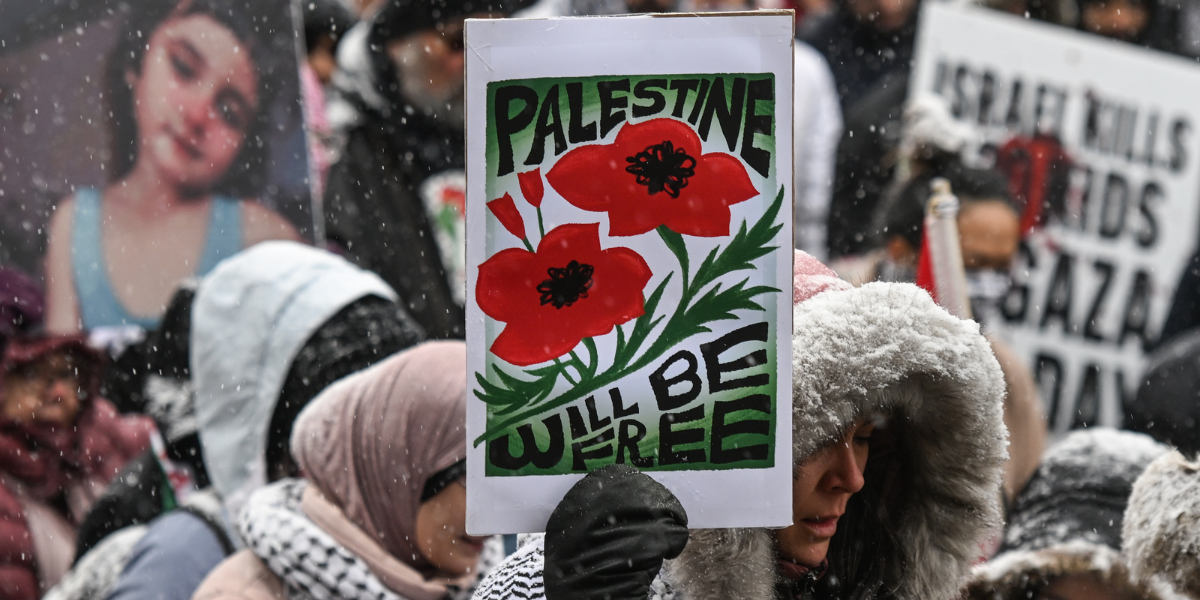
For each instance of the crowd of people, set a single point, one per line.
(235, 413)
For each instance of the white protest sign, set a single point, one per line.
(629, 262)
(1118, 168)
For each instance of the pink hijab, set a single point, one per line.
(370, 441)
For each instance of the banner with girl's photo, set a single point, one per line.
(144, 141)
(629, 262)
(1100, 142)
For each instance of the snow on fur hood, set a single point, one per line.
(1162, 525)
(882, 349)
(252, 314)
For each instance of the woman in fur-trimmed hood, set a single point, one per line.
(884, 353)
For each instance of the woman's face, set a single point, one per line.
(823, 485)
(442, 532)
(46, 391)
(194, 100)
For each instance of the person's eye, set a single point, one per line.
(232, 114)
(183, 69)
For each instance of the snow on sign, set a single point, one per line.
(1100, 140)
(629, 262)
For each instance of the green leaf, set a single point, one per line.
(745, 247)
(644, 324)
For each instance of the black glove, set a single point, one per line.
(608, 537)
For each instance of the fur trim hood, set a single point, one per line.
(1162, 525)
(885, 349)
(1067, 520)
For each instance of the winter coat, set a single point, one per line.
(1162, 526)
(1068, 519)
(290, 555)
(882, 349)
(271, 327)
(374, 205)
(50, 476)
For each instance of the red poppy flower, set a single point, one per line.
(654, 174)
(506, 211)
(531, 186)
(568, 290)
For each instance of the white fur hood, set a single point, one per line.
(884, 348)
(1161, 537)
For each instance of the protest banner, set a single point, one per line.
(1099, 139)
(629, 262)
(143, 141)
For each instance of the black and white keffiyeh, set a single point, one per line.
(312, 565)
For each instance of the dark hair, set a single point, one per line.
(359, 335)
(866, 532)
(325, 17)
(267, 33)
(904, 215)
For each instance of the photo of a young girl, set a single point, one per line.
(190, 94)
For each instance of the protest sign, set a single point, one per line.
(143, 141)
(629, 262)
(1099, 138)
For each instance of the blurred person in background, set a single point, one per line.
(270, 329)
(325, 24)
(1167, 403)
(60, 444)
(864, 41)
(383, 453)
(1063, 539)
(394, 202)
(183, 101)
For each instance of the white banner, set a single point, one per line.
(1120, 200)
(629, 262)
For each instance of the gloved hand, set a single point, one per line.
(608, 537)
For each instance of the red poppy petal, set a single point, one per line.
(634, 138)
(590, 177)
(531, 186)
(506, 211)
(527, 345)
(702, 209)
(503, 289)
(570, 241)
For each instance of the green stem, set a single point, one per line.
(563, 369)
(541, 227)
(527, 245)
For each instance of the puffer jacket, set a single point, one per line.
(881, 349)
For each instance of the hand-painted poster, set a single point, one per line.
(1101, 143)
(141, 142)
(629, 262)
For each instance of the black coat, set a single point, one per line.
(374, 212)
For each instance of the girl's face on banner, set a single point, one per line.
(194, 100)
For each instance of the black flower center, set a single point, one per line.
(566, 285)
(662, 167)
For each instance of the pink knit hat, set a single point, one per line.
(811, 277)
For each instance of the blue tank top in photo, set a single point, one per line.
(98, 304)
